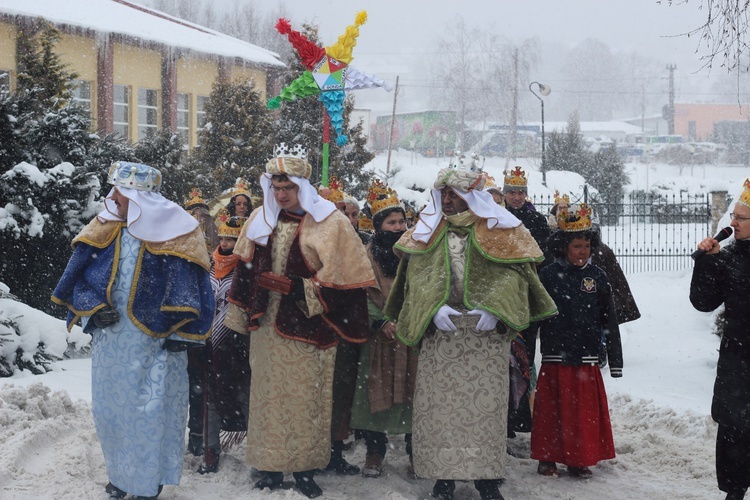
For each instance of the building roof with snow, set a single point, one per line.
(138, 70)
(138, 22)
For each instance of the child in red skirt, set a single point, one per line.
(571, 417)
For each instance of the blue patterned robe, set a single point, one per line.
(139, 389)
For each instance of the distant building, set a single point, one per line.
(432, 133)
(654, 124)
(140, 69)
(697, 122)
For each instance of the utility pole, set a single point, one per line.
(390, 134)
(514, 111)
(670, 110)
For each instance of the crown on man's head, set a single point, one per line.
(194, 199)
(228, 226)
(570, 220)
(381, 197)
(334, 192)
(134, 176)
(462, 174)
(285, 151)
(745, 196)
(289, 160)
(561, 199)
(515, 180)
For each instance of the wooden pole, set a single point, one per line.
(326, 141)
(393, 122)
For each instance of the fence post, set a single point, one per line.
(718, 208)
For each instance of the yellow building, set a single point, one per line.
(139, 69)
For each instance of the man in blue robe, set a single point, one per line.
(138, 278)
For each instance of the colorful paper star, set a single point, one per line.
(327, 72)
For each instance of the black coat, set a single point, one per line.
(625, 305)
(535, 222)
(584, 301)
(725, 279)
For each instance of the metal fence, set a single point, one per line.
(649, 232)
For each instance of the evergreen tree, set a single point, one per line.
(567, 151)
(604, 170)
(237, 140)
(607, 175)
(350, 167)
(164, 150)
(103, 152)
(40, 68)
(47, 191)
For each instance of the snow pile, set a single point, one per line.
(31, 338)
(46, 435)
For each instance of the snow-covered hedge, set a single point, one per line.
(31, 340)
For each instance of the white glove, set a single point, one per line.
(487, 320)
(442, 321)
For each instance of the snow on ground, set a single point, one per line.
(663, 433)
(660, 413)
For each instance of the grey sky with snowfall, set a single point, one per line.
(401, 35)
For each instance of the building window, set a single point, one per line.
(692, 130)
(201, 114)
(82, 95)
(183, 118)
(148, 113)
(121, 111)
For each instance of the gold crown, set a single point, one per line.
(745, 196)
(515, 178)
(365, 224)
(561, 199)
(577, 220)
(241, 187)
(334, 192)
(289, 161)
(381, 197)
(228, 227)
(490, 182)
(194, 198)
(135, 176)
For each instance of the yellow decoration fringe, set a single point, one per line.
(342, 49)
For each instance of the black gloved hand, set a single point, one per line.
(172, 345)
(298, 288)
(105, 317)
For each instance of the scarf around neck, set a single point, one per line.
(224, 264)
(382, 251)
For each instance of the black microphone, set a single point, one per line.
(723, 234)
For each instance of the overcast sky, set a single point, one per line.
(399, 31)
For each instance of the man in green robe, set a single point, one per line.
(465, 286)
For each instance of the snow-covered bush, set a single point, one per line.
(31, 340)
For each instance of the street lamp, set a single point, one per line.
(544, 90)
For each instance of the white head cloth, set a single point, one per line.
(480, 204)
(151, 217)
(264, 223)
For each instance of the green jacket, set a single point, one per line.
(500, 277)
